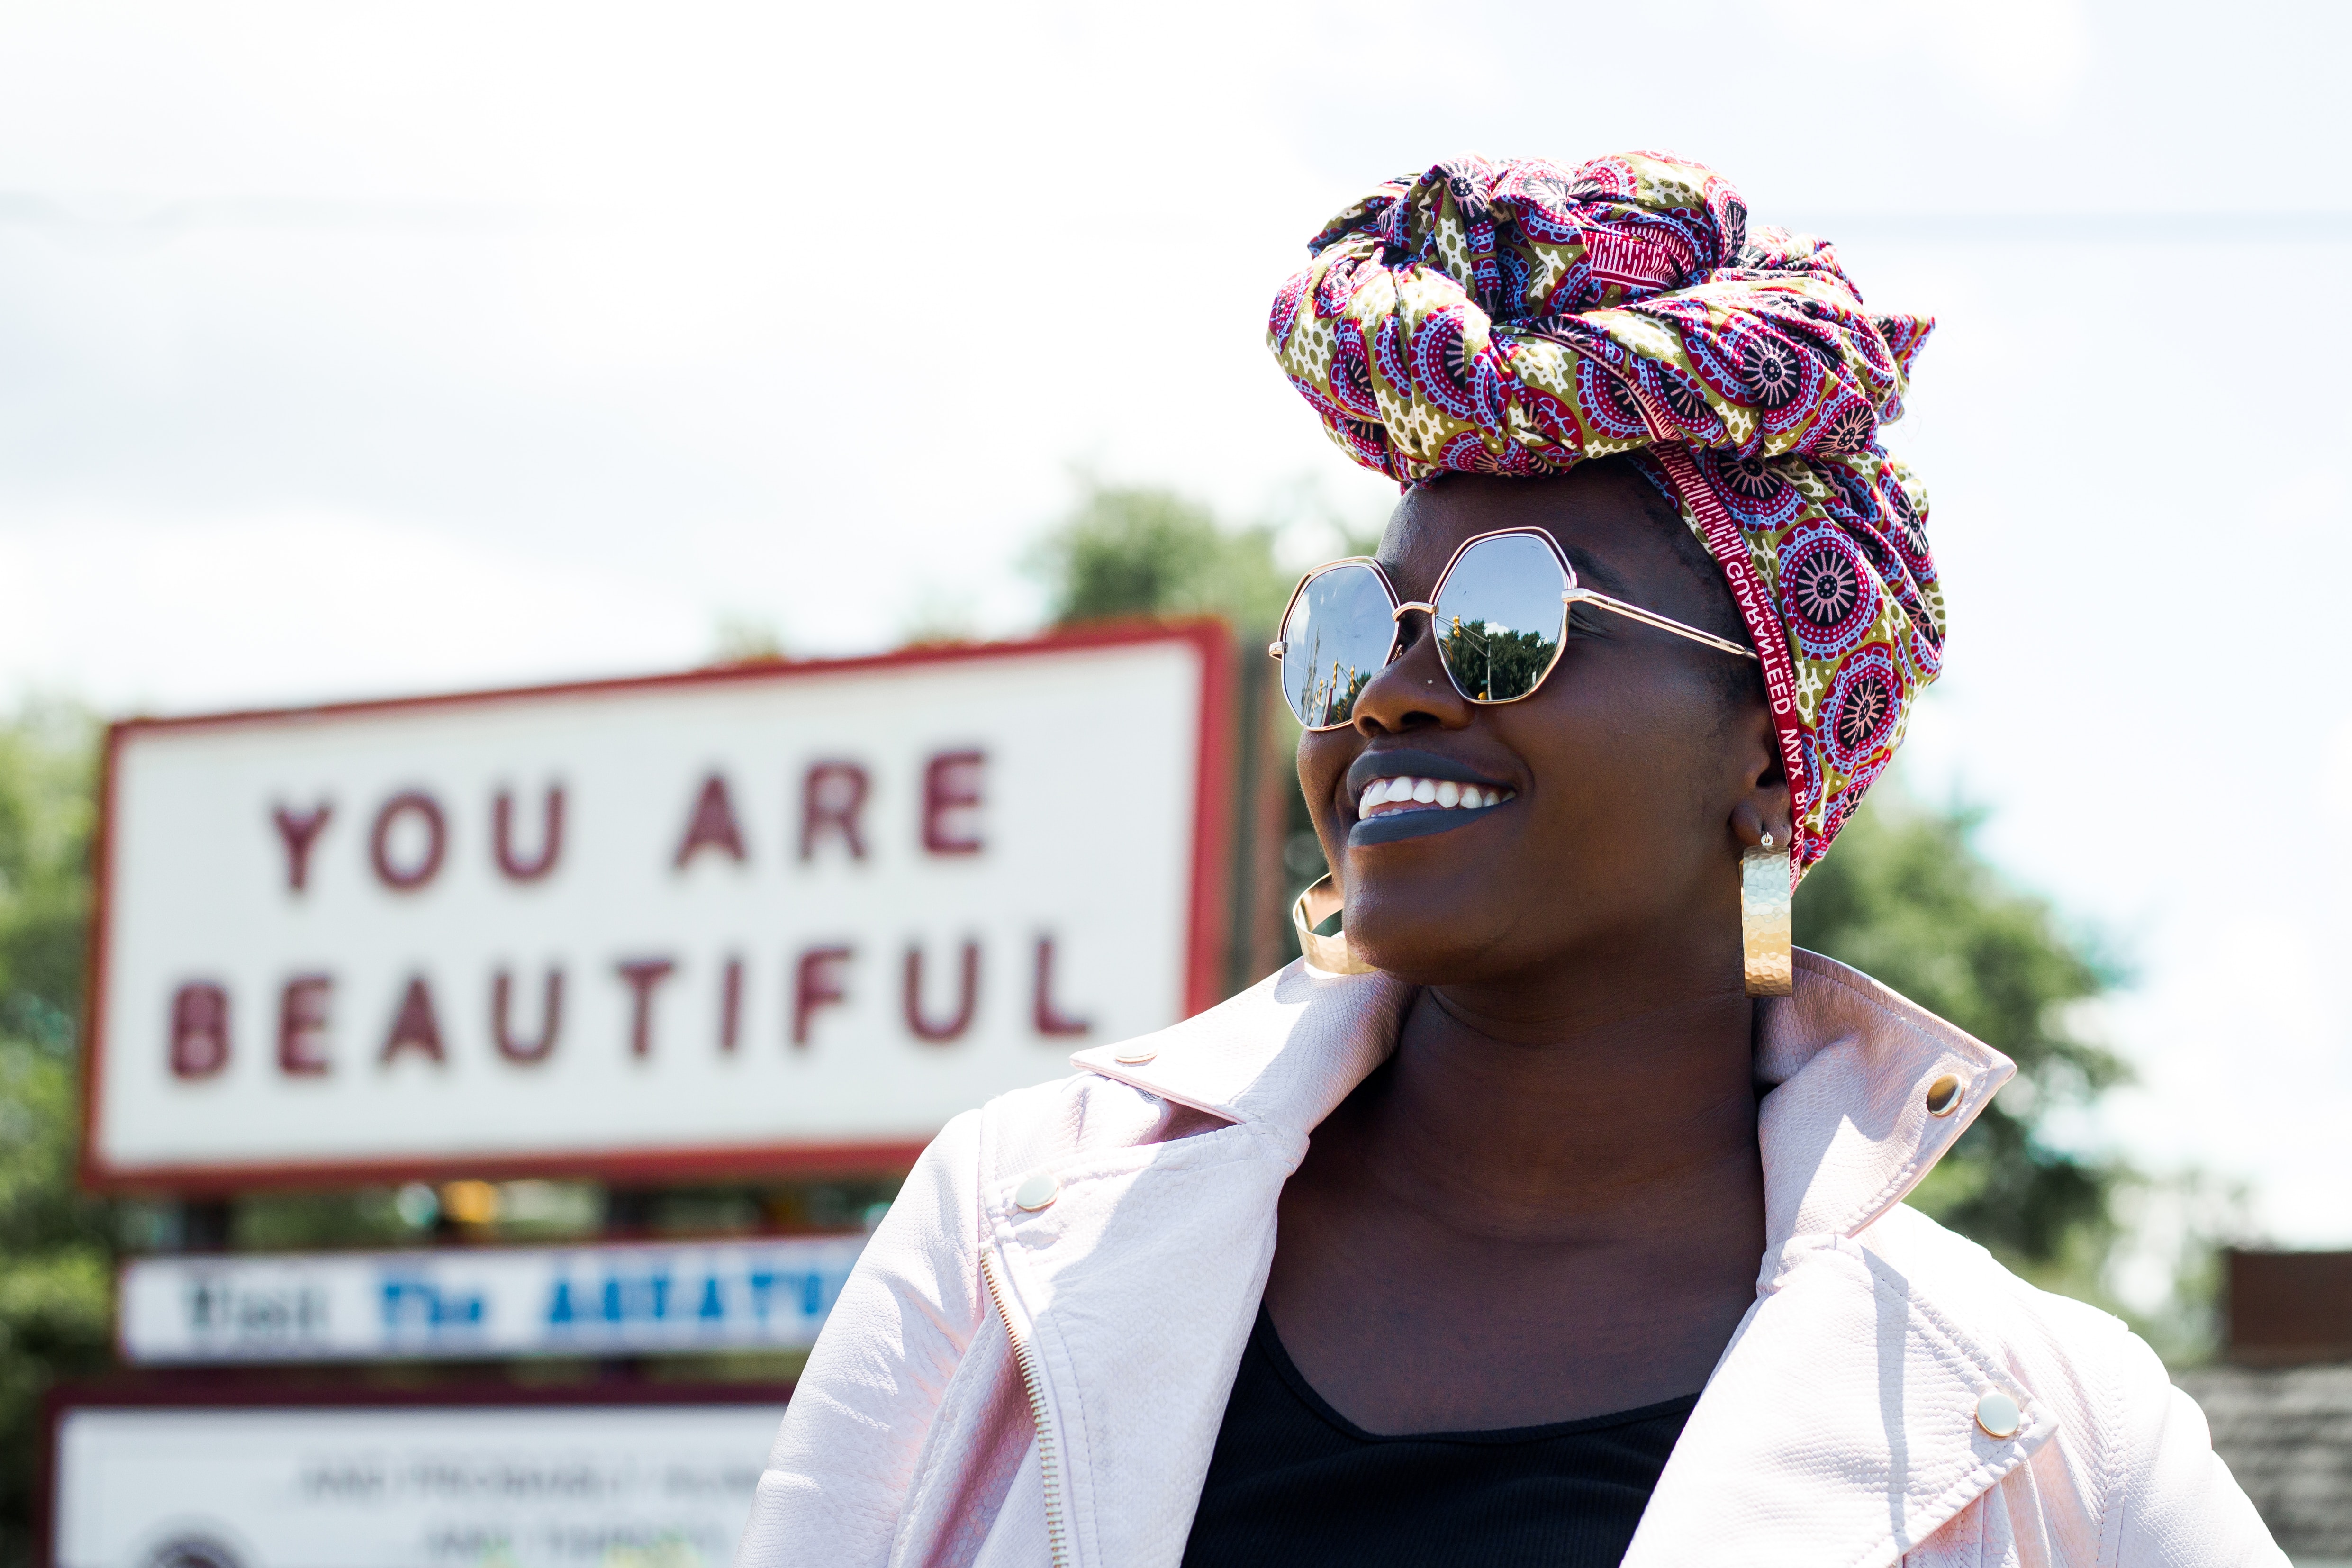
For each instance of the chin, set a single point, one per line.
(1425, 949)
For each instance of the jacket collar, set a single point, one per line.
(1844, 1129)
(1839, 1426)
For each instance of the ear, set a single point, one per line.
(1763, 806)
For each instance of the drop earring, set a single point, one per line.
(1764, 940)
(1329, 954)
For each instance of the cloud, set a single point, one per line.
(2335, 775)
(2241, 1039)
(304, 606)
(2025, 57)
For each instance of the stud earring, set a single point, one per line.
(1764, 940)
(1329, 954)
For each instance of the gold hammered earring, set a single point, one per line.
(1329, 954)
(1764, 919)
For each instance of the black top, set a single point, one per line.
(1294, 1484)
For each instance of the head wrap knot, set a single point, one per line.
(1519, 317)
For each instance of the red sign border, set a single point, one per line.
(1205, 954)
(267, 1389)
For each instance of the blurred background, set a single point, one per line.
(363, 350)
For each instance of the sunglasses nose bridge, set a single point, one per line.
(1422, 606)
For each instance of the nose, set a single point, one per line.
(1412, 691)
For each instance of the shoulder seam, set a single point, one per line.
(2113, 1399)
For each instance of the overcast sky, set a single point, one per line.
(358, 349)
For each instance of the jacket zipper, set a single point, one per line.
(1047, 1467)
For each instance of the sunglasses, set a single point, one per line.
(1500, 612)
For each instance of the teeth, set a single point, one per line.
(1444, 794)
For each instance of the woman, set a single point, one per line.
(1510, 1228)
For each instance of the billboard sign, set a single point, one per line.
(461, 1302)
(380, 1483)
(756, 919)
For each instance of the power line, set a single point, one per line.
(2275, 226)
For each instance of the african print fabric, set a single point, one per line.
(1519, 317)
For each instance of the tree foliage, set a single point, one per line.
(1497, 662)
(55, 1252)
(1130, 550)
(1904, 897)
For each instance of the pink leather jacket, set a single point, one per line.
(1011, 1386)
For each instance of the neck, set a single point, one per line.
(1576, 1105)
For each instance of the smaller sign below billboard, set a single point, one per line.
(377, 1483)
(465, 1302)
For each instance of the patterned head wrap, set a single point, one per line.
(1517, 318)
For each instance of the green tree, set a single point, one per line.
(1142, 550)
(1131, 550)
(1904, 897)
(55, 1251)
(1496, 661)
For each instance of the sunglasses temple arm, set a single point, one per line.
(1635, 613)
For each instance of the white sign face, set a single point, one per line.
(729, 922)
(451, 1302)
(655, 1485)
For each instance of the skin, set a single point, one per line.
(1549, 1203)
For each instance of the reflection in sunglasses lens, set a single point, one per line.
(1336, 638)
(1500, 618)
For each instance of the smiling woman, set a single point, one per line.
(1614, 754)
(1552, 1211)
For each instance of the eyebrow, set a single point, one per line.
(1594, 574)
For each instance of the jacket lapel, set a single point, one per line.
(1839, 1429)
(1840, 1426)
(1135, 1288)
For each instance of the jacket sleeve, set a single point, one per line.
(2178, 1506)
(843, 1459)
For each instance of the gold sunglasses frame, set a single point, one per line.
(1572, 593)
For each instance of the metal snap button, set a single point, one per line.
(1135, 1058)
(1998, 1414)
(1042, 1188)
(1944, 1096)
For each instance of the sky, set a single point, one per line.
(374, 349)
